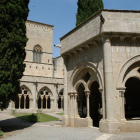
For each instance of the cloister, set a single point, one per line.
(102, 72)
(44, 100)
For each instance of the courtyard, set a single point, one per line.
(17, 129)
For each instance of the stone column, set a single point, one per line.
(108, 77)
(34, 95)
(19, 99)
(76, 105)
(42, 101)
(87, 95)
(52, 103)
(25, 101)
(103, 103)
(65, 116)
(71, 109)
(30, 103)
(65, 92)
(110, 125)
(121, 93)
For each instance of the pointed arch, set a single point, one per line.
(122, 71)
(45, 90)
(79, 68)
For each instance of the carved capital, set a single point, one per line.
(41, 97)
(121, 93)
(87, 93)
(19, 95)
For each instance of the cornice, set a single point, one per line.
(40, 25)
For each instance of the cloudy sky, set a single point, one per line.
(62, 14)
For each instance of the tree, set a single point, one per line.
(13, 40)
(86, 8)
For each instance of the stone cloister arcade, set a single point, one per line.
(87, 97)
(44, 99)
(24, 100)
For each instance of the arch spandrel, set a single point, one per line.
(45, 88)
(26, 88)
(88, 66)
(121, 74)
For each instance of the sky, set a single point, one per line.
(62, 14)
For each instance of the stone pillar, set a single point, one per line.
(24, 101)
(41, 101)
(108, 78)
(103, 103)
(72, 109)
(19, 99)
(34, 95)
(76, 105)
(52, 103)
(111, 125)
(87, 95)
(30, 103)
(65, 119)
(121, 93)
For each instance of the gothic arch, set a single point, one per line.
(76, 86)
(78, 69)
(61, 91)
(37, 48)
(24, 87)
(121, 74)
(45, 89)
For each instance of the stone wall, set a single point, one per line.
(58, 66)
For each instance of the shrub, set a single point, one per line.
(33, 118)
(1, 132)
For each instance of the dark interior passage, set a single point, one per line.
(39, 103)
(27, 102)
(17, 103)
(82, 102)
(95, 104)
(48, 103)
(132, 98)
(22, 102)
(44, 102)
(59, 103)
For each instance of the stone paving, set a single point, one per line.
(52, 131)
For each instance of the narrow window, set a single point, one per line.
(37, 52)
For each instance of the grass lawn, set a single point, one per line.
(41, 117)
(60, 114)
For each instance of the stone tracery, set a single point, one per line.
(24, 100)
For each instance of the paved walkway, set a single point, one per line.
(17, 129)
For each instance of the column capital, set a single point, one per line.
(101, 90)
(19, 95)
(62, 97)
(25, 95)
(87, 92)
(41, 97)
(46, 96)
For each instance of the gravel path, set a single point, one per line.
(17, 129)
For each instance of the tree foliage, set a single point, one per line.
(86, 8)
(13, 15)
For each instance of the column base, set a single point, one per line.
(109, 126)
(65, 120)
